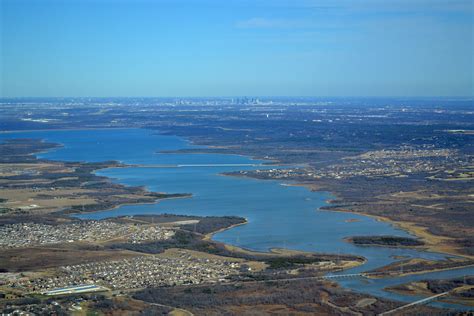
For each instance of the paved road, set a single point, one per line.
(422, 301)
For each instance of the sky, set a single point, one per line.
(184, 48)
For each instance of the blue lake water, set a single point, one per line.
(279, 216)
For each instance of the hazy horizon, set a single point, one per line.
(456, 97)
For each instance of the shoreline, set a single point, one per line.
(415, 230)
(351, 241)
(74, 215)
(422, 292)
(409, 227)
(63, 129)
(208, 236)
(433, 243)
(120, 166)
(424, 271)
(278, 252)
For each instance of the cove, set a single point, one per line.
(279, 216)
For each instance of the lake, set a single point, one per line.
(279, 216)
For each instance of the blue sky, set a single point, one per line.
(236, 48)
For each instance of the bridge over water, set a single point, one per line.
(199, 165)
(419, 302)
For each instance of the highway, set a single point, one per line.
(352, 275)
(422, 301)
